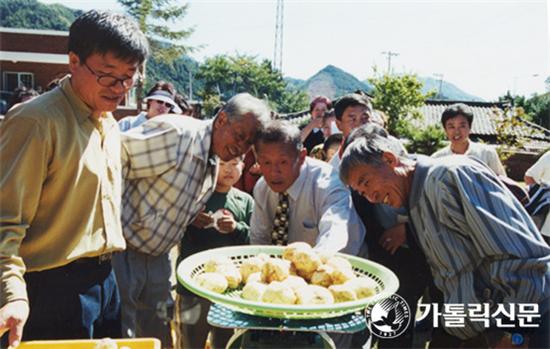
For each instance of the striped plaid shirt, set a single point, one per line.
(169, 177)
(480, 243)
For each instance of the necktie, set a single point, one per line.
(279, 236)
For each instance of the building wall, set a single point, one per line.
(34, 43)
(43, 72)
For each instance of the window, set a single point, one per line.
(12, 80)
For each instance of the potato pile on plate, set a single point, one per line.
(302, 276)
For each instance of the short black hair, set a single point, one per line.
(332, 140)
(102, 32)
(455, 110)
(351, 100)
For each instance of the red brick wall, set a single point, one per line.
(43, 73)
(34, 43)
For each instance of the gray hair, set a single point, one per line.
(367, 149)
(244, 104)
(280, 132)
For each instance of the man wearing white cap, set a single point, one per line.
(160, 100)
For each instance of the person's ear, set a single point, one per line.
(338, 124)
(74, 62)
(302, 156)
(390, 159)
(221, 120)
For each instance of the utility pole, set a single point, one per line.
(190, 86)
(440, 77)
(390, 54)
(278, 49)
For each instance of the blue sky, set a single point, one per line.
(483, 47)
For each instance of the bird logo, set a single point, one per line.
(388, 318)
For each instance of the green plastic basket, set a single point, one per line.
(193, 265)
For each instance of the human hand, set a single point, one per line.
(202, 220)
(393, 238)
(13, 316)
(255, 170)
(226, 224)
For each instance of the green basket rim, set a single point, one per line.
(390, 280)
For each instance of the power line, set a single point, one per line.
(390, 54)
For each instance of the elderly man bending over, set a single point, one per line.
(481, 245)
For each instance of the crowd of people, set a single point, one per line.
(91, 207)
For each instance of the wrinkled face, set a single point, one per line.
(230, 172)
(352, 118)
(457, 129)
(84, 80)
(379, 184)
(280, 164)
(157, 108)
(319, 110)
(231, 139)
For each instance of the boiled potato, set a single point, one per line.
(363, 287)
(312, 294)
(254, 291)
(250, 266)
(295, 282)
(343, 293)
(322, 276)
(288, 252)
(279, 293)
(275, 269)
(214, 282)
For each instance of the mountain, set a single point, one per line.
(333, 82)
(31, 14)
(448, 90)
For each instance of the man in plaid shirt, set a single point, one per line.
(170, 164)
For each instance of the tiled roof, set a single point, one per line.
(486, 116)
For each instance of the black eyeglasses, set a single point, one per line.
(166, 104)
(110, 81)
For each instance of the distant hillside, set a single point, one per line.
(32, 14)
(333, 82)
(294, 83)
(448, 90)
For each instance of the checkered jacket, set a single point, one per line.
(169, 176)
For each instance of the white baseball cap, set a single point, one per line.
(164, 96)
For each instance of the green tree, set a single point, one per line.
(156, 18)
(400, 97)
(225, 76)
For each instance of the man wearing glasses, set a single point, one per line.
(60, 188)
(160, 100)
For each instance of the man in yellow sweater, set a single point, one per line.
(60, 189)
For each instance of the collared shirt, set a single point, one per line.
(60, 187)
(482, 152)
(478, 239)
(321, 212)
(540, 171)
(170, 175)
(132, 121)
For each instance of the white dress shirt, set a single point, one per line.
(482, 152)
(320, 211)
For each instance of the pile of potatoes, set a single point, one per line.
(303, 276)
